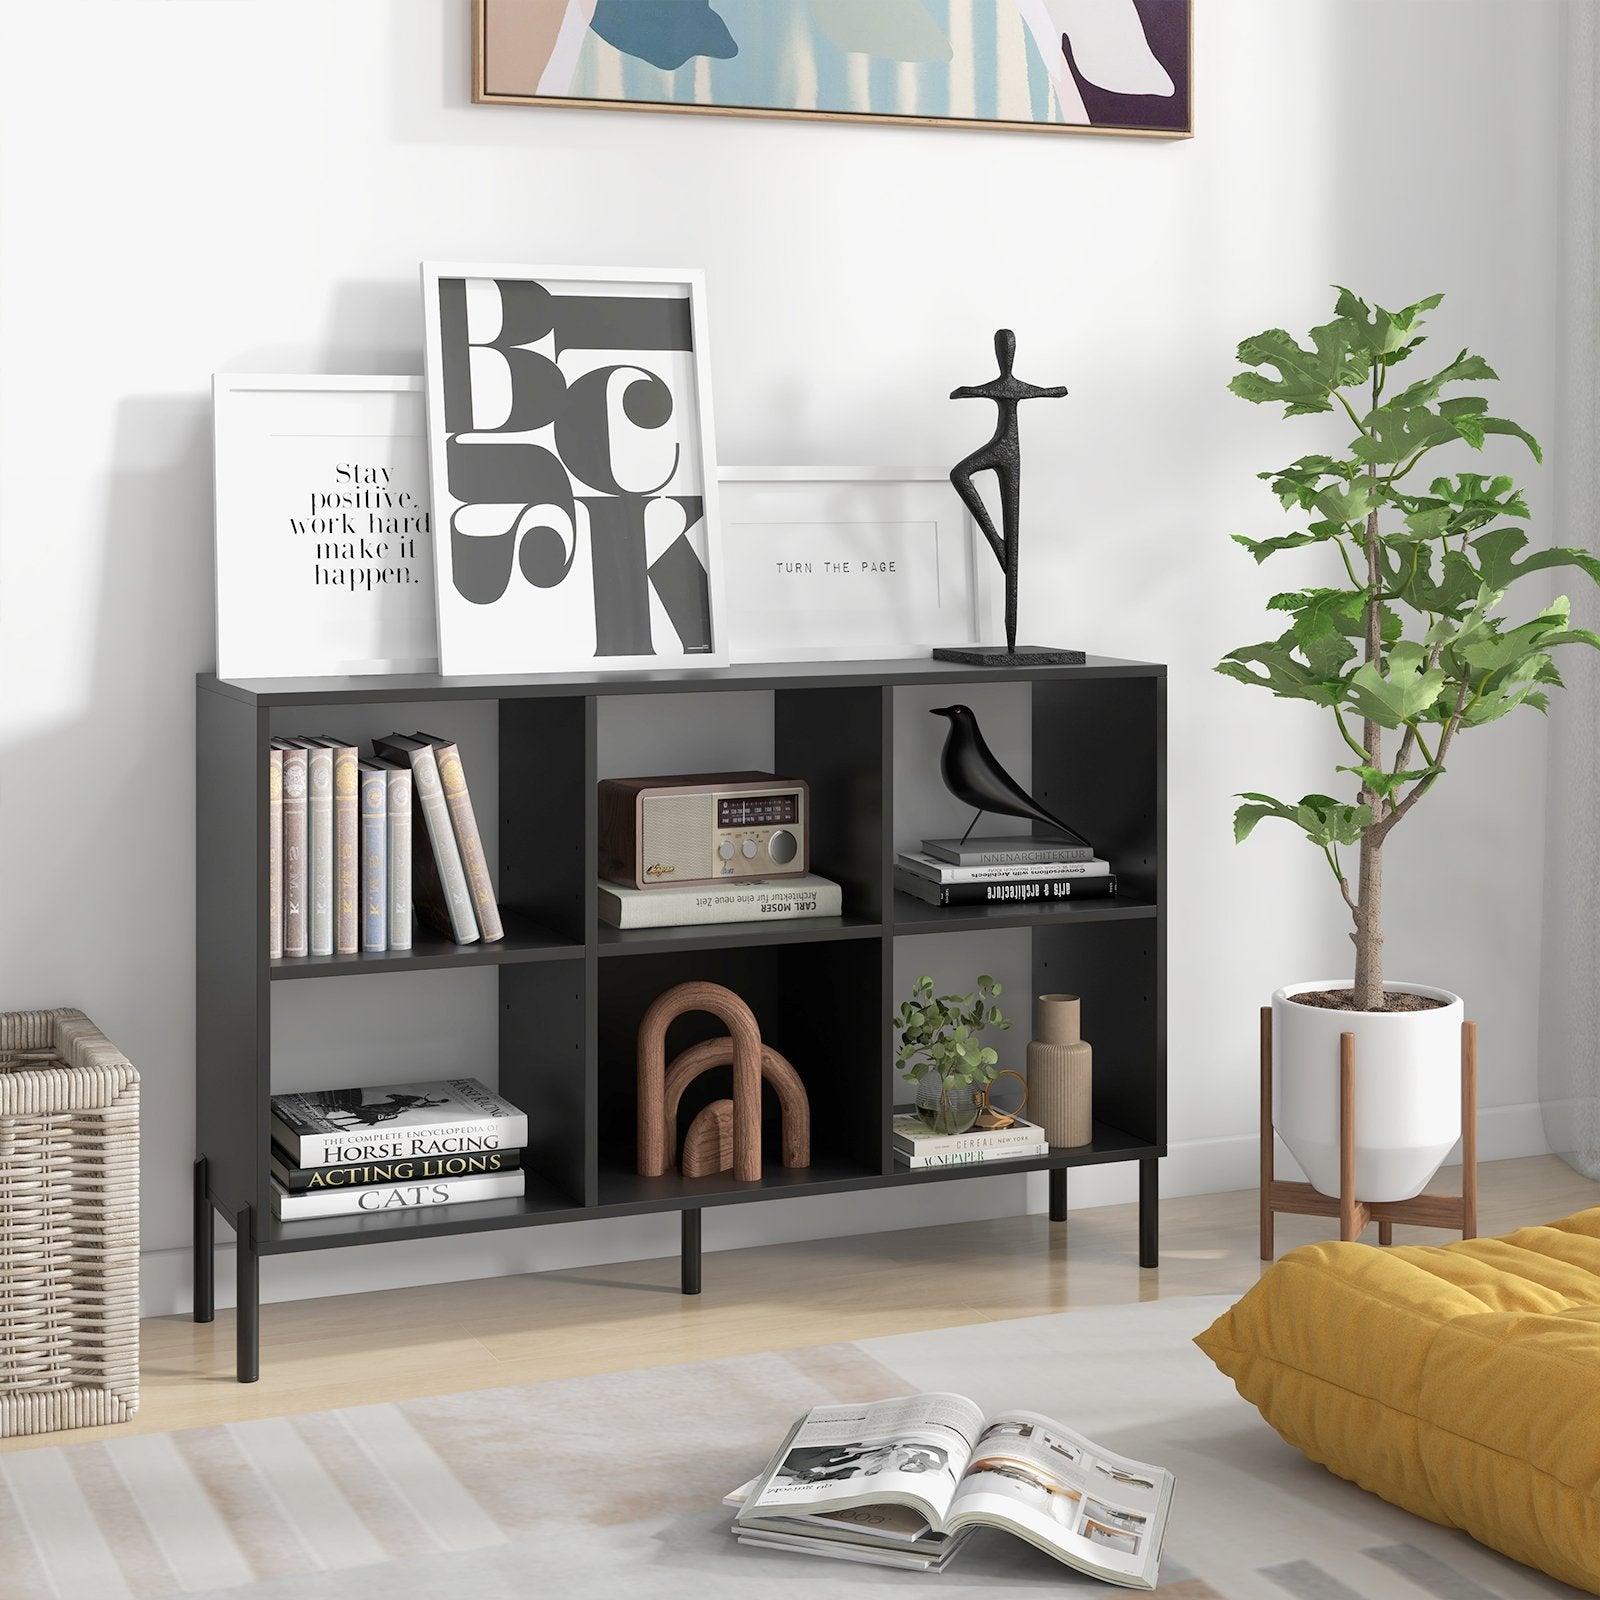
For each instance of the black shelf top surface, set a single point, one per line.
(624, 1193)
(377, 689)
(525, 940)
(726, 935)
(917, 916)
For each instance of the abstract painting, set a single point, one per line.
(570, 451)
(1087, 66)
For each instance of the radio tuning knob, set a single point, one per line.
(750, 848)
(725, 849)
(781, 847)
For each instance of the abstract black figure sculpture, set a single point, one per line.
(972, 773)
(1002, 455)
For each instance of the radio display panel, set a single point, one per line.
(757, 810)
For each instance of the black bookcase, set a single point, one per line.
(571, 991)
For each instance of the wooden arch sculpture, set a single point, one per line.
(736, 1122)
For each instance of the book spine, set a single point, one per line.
(969, 1158)
(274, 853)
(944, 872)
(399, 869)
(374, 859)
(397, 1196)
(346, 851)
(350, 1147)
(668, 908)
(405, 1169)
(296, 924)
(1023, 891)
(451, 912)
(464, 823)
(319, 807)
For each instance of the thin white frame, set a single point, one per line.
(232, 466)
(691, 278)
(980, 609)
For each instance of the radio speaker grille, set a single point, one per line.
(676, 832)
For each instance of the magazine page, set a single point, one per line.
(901, 1452)
(1099, 1512)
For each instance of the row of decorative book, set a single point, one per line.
(1002, 871)
(345, 867)
(351, 1152)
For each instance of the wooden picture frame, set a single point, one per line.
(1127, 69)
(572, 460)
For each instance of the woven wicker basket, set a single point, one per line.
(69, 1225)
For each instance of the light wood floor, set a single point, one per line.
(399, 1344)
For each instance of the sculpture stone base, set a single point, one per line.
(997, 655)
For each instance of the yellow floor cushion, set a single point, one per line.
(1460, 1381)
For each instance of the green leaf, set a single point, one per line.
(1385, 783)
(1466, 368)
(1324, 820)
(1306, 378)
(1405, 692)
(1280, 672)
(1499, 569)
(1385, 335)
(1262, 548)
(1318, 613)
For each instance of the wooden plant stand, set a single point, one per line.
(1421, 1211)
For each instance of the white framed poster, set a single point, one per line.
(852, 563)
(324, 549)
(572, 463)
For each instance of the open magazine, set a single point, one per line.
(843, 1480)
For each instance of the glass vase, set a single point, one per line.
(946, 1104)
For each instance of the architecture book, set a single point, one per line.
(622, 906)
(330, 1127)
(393, 1196)
(939, 1456)
(1003, 850)
(1013, 891)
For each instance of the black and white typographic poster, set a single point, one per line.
(324, 540)
(574, 486)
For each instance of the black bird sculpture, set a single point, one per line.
(972, 773)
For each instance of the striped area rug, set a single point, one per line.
(609, 1486)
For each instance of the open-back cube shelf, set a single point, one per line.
(571, 991)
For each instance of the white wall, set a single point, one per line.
(190, 187)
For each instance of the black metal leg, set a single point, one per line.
(1058, 1194)
(248, 1299)
(205, 1277)
(1149, 1212)
(690, 1262)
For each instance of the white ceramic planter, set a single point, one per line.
(1408, 1088)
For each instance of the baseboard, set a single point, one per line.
(1201, 1166)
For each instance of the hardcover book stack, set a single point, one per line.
(346, 869)
(915, 1145)
(353, 1152)
(1030, 869)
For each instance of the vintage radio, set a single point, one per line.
(704, 827)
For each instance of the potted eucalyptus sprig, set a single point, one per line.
(1400, 637)
(941, 1053)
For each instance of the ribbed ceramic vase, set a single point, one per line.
(1061, 1074)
